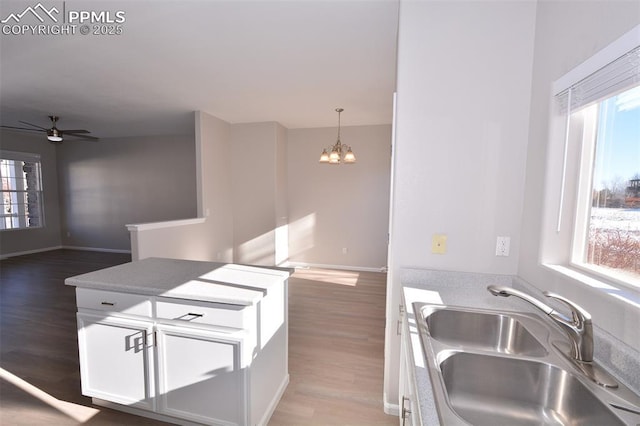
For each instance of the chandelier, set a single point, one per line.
(339, 152)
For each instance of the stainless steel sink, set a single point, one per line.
(493, 390)
(492, 367)
(496, 332)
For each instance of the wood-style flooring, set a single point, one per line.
(336, 340)
(336, 350)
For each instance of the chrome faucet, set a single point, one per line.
(579, 328)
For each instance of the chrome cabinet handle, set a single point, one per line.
(405, 411)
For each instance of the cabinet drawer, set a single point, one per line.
(223, 315)
(110, 301)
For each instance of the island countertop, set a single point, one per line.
(185, 279)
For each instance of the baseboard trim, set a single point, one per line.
(105, 250)
(144, 413)
(22, 253)
(339, 267)
(391, 409)
(41, 250)
(274, 402)
(183, 422)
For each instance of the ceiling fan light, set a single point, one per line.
(54, 135)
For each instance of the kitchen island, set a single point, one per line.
(187, 342)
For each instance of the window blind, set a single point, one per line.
(618, 75)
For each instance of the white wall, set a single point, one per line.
(263, 190)
(25, 240)
(210, 238)
(256, 155)
(332, 207)
(568, 33)
(241, 198)
(109, 183)
(463, 92)
(282, 196)
(213, 137)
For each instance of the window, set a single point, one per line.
(597, 163)
(608, 240)
(21, 191)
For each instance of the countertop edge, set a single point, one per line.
(187, 280)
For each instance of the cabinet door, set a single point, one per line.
(407, 399)
(116, 361)
(200, 376)
(406, 396)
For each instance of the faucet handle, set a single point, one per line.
(578, 313)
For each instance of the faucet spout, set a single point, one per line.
(508, 291)
(579, 327)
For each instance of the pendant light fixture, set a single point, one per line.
(339, 152)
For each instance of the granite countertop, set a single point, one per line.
(469, 290)
(185, 279)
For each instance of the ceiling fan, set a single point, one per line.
(54, 134)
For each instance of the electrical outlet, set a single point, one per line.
(502, 246)
(344, 250)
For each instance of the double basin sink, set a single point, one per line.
(506, 368)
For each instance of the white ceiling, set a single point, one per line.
(292, 62)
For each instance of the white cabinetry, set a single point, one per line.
(116, 359)
(409, 412)
(200, 376)
(181, 360)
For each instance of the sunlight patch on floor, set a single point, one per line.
(331, 276)
(79, 413)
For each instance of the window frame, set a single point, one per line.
(22, 216)
(567, 185)
(584, 203)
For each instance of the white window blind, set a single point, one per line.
(610, 71)
(616, 76)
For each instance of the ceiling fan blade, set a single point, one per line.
(74, 131)
(21, 128)
(80, 137)
(34, 125)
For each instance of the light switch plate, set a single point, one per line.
(439, 244)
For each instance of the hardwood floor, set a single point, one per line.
(336, 341)
(39, 345)
(336, 350)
